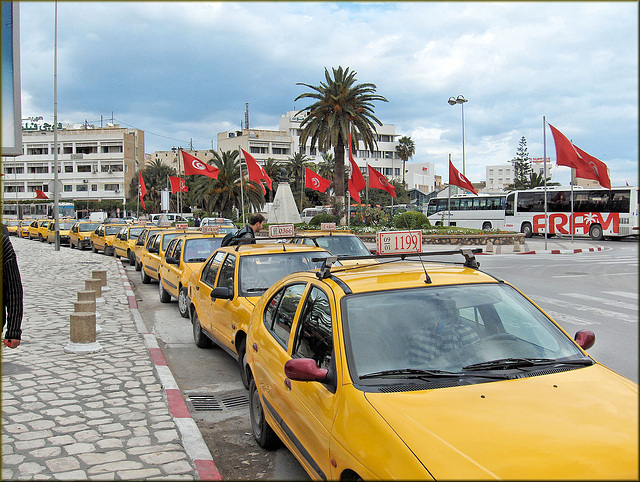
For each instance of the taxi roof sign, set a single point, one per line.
(210, 229)
(279, 230)
(327, 226)
(399, 242)
(182, 226)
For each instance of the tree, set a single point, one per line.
(405, 149)
(537, 180)
(224, 194)
(295, 167)
(521, 166)
(271, 167)
(341, 105)
(155, 177)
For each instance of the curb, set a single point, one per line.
(564, 251)
(192, 440)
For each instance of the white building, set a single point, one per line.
(94, 163)
(500, 176)
(285, 142)
(170, 158)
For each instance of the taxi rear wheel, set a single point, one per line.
(183, 303)
(199, 337)
(165, 297)
(262, 432)
(138, 266)
(242, 363)
(144, 277)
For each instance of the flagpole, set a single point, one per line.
(449, 196)
(56, 215)
(573, 171)
(241, 179)
(304, 179)
(180, 184)
(348, 196)
(138, 200)
(544, 156)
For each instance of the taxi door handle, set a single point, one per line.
(287, 383)
(255, 347)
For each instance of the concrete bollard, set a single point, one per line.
(516, 247)
(94, 285)
(85, 306)
(82, 334)
(489, 248)
(87, 295)
(100, 274)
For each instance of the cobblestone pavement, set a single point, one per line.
(101, 416)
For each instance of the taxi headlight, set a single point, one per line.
(87, 237)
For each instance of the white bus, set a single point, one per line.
(308, 213)
(597, 212)
(484, 211)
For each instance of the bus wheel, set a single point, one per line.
(526, 229)
(595, 231)
(486, 226)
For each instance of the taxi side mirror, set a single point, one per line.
(222, 292)
(585, 339)
(304, 370)
(153, 250)
(172, 260)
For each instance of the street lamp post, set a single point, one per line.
(460, 100)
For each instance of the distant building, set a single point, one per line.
(170, 158)
(500, 176)
(94, 163)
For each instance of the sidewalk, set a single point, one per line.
(115, 414)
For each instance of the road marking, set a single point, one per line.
(604, 301)
(633, 296)
(574, 320)
(605, 314)
(587, 274)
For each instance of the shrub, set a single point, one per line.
(322, 218)
(411, 220)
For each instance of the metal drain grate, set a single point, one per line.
(219, 403)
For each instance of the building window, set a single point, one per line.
(37, 150)
(313, 151)
(280, 150)
(397, 171)
(84, 167)
(111, 167)
(37, 169)
(87, 148)
(258, 150)
(110, 149)
(67, 148)
(81, 187)
(67, 188)
(14, 170)
(68, 168)
(94, 187)
(111, 187)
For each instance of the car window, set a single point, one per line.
(169, 251)
(167, 238)
(177, 250)
(227, 273)
(88, 227)
(343, 245)
(156, 242)
(135, 232)
(198, 250)
(110, 230)
(314, 334)
(150, 241)
(280, 320)
(211, 269)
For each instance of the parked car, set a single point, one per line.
(80, 234)
(340, 243)
(184, 255)
(223, 293)
(141, 242)
(102, 238)
(400, 371)
(63, 231)
(170, 217)
(23, 229)
(153, 252)
(125, 241)
(12, 226)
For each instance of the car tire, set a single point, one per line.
(144, 277)
(200, 339)
(262, 432)
(242, 363)
(183, 303)
(165, 297)
(132, 259)
(93, 248)
(138, 266)
(70, 245)
(40, 238)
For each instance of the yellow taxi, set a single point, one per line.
(43, 226)
(125, 242)
(35, 229)
(339, 243)
(141, 242)
(80, 234)
(400, 370)
(223, 293)
(12, 226)
(103, 236)
(23, 229)
(153, 252)
(64, 230)
(224, 225)
(184, 255)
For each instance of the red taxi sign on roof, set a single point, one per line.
(164, 224)
(327, 226)
(399, 242)
(182, 226)
(277, 230)
(220, 220)
(210, 229)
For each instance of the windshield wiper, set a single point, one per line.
(253, 290)
(425, 374)
(196, 260)
(506, 363)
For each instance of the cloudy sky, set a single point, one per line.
(184, 70)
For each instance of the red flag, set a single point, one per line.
(40, 194)
(256, 172)
(178, 184)
(566, 155)
(141, 188)
(592, 168)
(314, 181)
(194, 166)
(356, 179)
(457, 179)
(378, 181)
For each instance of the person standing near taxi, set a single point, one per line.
(256, 221)
(12, 294)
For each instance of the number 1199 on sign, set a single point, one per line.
(399, 242)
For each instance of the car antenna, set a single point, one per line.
(427, 278)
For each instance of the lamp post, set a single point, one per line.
(460, 100)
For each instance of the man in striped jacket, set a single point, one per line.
(11, 294)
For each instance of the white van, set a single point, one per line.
(308, 213)
(171, 217)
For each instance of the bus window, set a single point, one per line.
(509, 203)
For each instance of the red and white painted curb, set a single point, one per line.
(563, 251)
(192, 440)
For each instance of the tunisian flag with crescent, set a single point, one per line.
(356, 179)
(378, 181)
(256, 172)
(178, 185)
(141, 188)
(314, 181)
(194, 166)
(457, 179)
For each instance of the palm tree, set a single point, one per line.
(341, 105)
(405, 149)
(295, 167)
(224, 194)
(271, 167)
(155, 177)
(327, 166)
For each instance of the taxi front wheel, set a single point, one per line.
(144, 277)
(199, 337)
(183, 303)
(262, 432)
